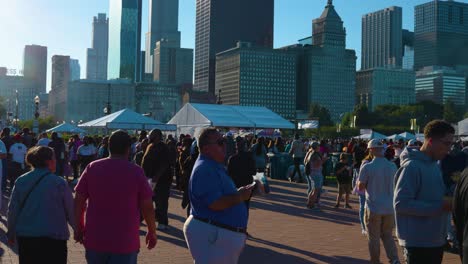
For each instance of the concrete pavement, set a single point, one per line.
(283, 231)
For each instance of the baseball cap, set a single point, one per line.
(17, 137)
(374, 143)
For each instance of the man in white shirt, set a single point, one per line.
(376, 178)
(297, 152)
(18, 153)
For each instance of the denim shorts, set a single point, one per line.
(94, 257)
(318, 181)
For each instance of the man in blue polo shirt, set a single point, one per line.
(216, 229)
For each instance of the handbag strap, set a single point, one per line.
(30, 191)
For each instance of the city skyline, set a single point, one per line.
(292, 22)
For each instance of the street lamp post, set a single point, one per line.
(17, 110)
(37, 100)
(107, 109)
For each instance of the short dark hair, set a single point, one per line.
(153, 134)
(119, 142)
(204, 138)
(54, 136)
(38, 155)
(438, 129)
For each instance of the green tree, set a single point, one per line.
(346, 120)
(431, 110)
(44, 123)
(322, 113)
(364, 118)
(452, 113)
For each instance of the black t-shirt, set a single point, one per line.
(359, 155)
(343, 177)
(461, 208)
(241, 168)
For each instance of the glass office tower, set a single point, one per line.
(124, 60)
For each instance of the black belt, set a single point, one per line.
(230, 228)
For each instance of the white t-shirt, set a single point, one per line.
(43, 142)
(18, 152)
(89, 150)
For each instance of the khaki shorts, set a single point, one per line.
(344, 188)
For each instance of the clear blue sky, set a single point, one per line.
(65, 26)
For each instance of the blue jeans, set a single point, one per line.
(93, 257)
(4, 174)
(310, 183)
(362, 205)
(318, 181)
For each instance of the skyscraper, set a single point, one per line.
(220, 25)
(382, 38)
(75, 69)
(330, 67)
(96, 56)
(408, 49)
(59, 91)
(441, 34)
(172, 65)
(384, 86)
(124, 39)
(441, 85)
(35, 66)
(237, 82)
(163, 25)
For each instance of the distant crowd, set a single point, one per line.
(120, 180)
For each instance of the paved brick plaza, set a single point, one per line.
(284, 231)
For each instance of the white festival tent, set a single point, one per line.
(463, 127)
(395, 137)
(192, 117)
(127, 119)
(373, 135)
(407, 136)
(66, 128)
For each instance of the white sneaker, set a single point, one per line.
(364, 232)
(162, 227)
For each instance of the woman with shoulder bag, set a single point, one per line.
(307, 170)
(315, 165)
(40, 209)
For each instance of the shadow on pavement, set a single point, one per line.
(252, 254)
(264, 255)
(174, 236)
(177, 217)
(292, 203)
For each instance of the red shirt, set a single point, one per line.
(114, 189)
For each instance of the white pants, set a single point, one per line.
(210, 244)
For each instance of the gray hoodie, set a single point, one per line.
(418, 199)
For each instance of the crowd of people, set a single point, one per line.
(120, 181)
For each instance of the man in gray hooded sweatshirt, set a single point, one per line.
(420, 208)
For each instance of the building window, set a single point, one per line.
(461, 15)
(450, 14)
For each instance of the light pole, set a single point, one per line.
(17, 110)
(37, 100)
(107, 109)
